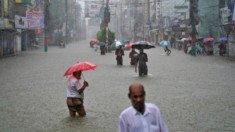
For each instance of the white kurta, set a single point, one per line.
(131, 120)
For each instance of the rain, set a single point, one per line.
(187, 66)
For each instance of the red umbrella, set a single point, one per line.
(80, 66)
(94, 41)
(129, 45)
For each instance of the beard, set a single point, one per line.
(77, 77)
(138, 107)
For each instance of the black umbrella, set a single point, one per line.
(143, 45)
(101, 44)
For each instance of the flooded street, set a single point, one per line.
(192, 93)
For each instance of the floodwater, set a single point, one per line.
(192, 93)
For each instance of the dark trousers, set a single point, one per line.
(102, 53)
(211, 53)
(143, 71)
(198, 52)
(119, 60)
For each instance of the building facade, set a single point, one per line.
(15, 33)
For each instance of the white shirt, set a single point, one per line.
(131, 120)
(73, 85)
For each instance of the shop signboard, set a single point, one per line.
(181, 17)
(175, 22)
(23, 1)
(94, 7)
(38, 31)
(161, 37)
(35, 24)
(231, 43)
(21, 22)
(224, 15)
(183, 25)
(35, 19)
(1, 23)
(187, 15)
(231, 15)
(166, 21)
(34, 15)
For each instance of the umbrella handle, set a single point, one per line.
(83, 77)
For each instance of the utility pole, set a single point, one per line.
(193, 22)
(62, 13)
(143, 32)
(45, 39)
(75, 13)
(149, 23)
(121, 19)
(135, 20)
(107, 16)
(66, 20)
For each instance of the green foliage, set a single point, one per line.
(101, 36)
(71, 22)
(57, 11)
(58, 17)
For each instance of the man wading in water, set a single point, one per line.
(142, 58)
(75, 94)
(133, 55)
(119, 53)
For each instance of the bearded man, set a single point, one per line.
(141, 116)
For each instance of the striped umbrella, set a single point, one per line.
(116, 44)
(208, 39)
(165, 43)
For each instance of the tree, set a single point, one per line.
(57, 15)
(101, 36)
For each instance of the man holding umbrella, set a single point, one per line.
(75, 94)
(75, 91)
(142, 58)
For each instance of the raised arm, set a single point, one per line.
(85, 84)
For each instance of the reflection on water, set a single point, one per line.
(89, 123)
(137, 75)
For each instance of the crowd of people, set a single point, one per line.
(140, 117)
(207, 48)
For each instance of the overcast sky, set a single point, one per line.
(167, 5)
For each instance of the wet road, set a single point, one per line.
(193, 93)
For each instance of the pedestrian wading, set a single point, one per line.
(75, 94)
(119, 53)
(141, 58)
